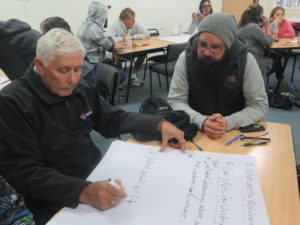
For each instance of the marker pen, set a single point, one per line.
(113, 183)
(255, 143)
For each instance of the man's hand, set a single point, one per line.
(215, 126)
(102, 195)
(168, 133)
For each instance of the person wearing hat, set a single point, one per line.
(217, 81)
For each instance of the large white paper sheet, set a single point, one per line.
(172, 188)
(177, 39)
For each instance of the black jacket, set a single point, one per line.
(228, 100)
(18, 47)
(45, 148)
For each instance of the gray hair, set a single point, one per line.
(57, 42)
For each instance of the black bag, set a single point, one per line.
(282, 100)
(179, 118)
(154, 105)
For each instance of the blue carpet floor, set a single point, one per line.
(292, 117)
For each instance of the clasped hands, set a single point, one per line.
(215, 126)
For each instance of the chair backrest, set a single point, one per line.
(153, 32)
(174, 50)
(107, 81)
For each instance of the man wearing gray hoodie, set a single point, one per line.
(217, 81)
(91, 33)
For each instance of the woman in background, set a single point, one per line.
(249, 30)
(285, 28)
(205, 9)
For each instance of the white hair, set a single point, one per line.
(57, 42)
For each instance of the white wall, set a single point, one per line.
(165, 14)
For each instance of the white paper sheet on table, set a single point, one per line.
(3, 82)
(172, 188)
(177, 39)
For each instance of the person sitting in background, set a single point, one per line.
(118, 31)
(92, 37)
(285, 29)
(88, 69)
(91, 33)
(17, 46)
(205, 9)
(47, 115)
(13, 210)
(217, 81)
(250, 31)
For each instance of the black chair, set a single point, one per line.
(107, 81)
(167, 67)
(156, 58)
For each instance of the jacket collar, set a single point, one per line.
(35, 82)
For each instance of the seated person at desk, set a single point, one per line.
(285, 29)
(118, 31)
(249, 30)
(205, 9)
(92, 37)
(218, 77)
(91, 33)
(45, 148)
(17, 45)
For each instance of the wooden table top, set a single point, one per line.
(287, 43)
(2, 74)
(275, 164)
(149, 44)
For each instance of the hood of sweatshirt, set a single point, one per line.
(12, 26)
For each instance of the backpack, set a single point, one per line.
(179, 118)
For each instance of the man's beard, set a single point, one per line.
(209, 72)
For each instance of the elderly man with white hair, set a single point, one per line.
(46, 118)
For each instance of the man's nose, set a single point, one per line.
(207, 52)
(72, 77)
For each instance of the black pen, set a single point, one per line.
(198, 146)
(255, 143)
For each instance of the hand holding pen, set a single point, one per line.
(103, 194)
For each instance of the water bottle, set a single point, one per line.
(275, 32)
(129, 40)
(180, 29)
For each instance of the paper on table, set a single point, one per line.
(175, 188)
(176, 39)
(3, 82)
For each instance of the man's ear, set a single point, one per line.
(38, 65)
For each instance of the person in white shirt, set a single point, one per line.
(118, 31)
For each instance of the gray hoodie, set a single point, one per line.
(91, 32)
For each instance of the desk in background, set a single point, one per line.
(276, 168)
(2, 74)
(3, 79)
(283, 48)
(152, 43)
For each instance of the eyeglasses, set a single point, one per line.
(206, 6)
(215, 48)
